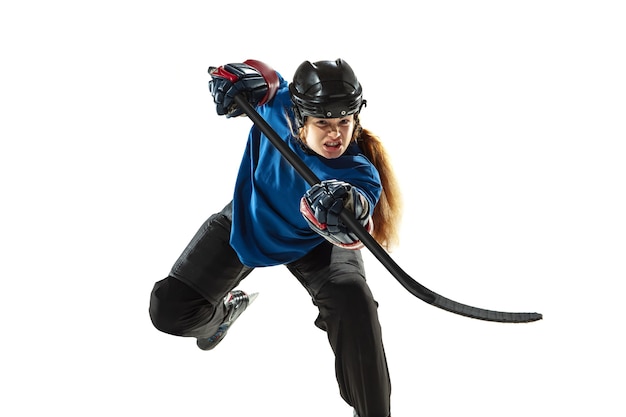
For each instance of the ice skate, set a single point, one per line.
(237, 301)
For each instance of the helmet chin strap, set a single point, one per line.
(300, 140)
(300, 119)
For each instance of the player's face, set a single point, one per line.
(329, 137)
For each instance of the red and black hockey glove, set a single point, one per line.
(256, 80)
(322, 204)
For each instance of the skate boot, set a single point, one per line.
(236, 302)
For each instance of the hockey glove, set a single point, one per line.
(256, 80)
(322, 204)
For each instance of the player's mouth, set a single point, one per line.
(333, 144)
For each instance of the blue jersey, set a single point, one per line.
(267, 226)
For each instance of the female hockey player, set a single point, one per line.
(276, 218)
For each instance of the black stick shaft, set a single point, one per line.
(403, 278)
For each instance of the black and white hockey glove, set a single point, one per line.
(256, 80)
(322, 204)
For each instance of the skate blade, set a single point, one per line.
(252, 297)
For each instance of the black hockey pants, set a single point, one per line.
(189, 303)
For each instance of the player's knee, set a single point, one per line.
(350, 295)
(162, 309)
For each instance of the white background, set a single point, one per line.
(506, 124)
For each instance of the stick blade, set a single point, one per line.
(484, 314)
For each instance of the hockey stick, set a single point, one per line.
(409, 283)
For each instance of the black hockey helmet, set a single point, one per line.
(325, 89)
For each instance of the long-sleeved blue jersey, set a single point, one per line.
(268, 228)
